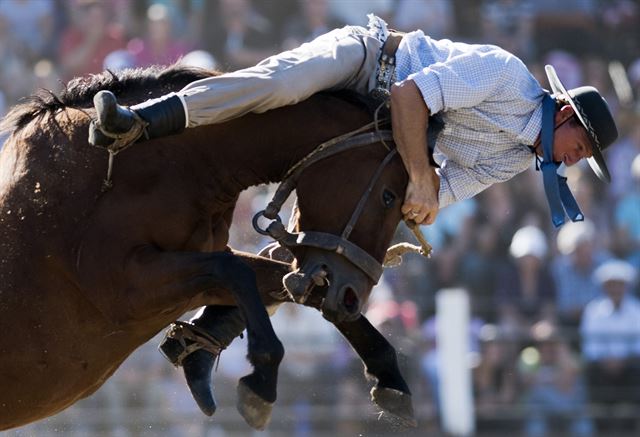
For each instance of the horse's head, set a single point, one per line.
(348, 210)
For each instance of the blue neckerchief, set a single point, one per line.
(555, 186)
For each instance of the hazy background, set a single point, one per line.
(548, 351)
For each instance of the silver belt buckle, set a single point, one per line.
(386, 72)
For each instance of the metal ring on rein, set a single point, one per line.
(257, 227)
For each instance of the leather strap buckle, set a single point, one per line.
(387, 62)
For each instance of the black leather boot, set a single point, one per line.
(151, 119)
(196, 345)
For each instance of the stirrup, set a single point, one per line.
(182, 339)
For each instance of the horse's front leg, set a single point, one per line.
(168, 273)
(195, 346)
(391, 392)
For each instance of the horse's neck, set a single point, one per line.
(261, 148)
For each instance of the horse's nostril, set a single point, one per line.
(350, 300)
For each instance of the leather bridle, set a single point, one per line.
(322, 240)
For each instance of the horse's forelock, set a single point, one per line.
(130, 85)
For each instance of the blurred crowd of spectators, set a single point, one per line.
(556, 317)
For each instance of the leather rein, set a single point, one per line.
(330, 242)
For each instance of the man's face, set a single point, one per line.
(615, 289)
(571, 141)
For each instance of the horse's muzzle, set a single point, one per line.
(342, 304)
(330, 283)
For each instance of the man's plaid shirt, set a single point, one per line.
(491, 106)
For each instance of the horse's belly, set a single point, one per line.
(55, 350)
(35, 389)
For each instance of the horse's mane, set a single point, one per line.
(135, 84)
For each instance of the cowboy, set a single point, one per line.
(489, 102)
(493, 115)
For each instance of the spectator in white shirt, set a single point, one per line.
(580, 255)
(610, 331)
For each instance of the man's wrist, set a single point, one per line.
(423, 177)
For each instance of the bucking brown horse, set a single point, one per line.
(89, 271)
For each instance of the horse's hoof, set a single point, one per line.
(396, 403)
(255, 410)
(197, 371)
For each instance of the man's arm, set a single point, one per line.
(410, 118)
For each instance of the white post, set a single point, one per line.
(452, 337)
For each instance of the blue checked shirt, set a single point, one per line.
(491, 106)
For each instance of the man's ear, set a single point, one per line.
(564, 113)
(567, 111)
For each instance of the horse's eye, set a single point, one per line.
(388, 198)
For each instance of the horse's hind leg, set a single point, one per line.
(391, 392)
(168, 273)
